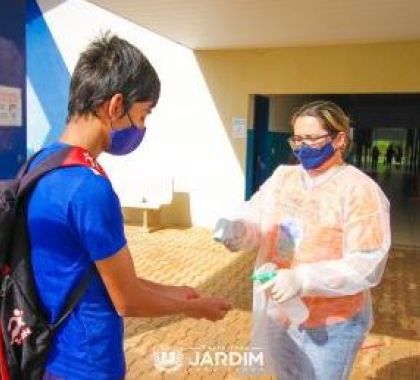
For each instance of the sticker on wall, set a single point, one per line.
(10, 106)
(238, 128)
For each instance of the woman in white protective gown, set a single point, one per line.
(323, 225)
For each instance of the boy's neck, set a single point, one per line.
(88, 132)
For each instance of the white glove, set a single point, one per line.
(284, 286)
(231, 233)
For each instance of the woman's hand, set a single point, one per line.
(284, 286)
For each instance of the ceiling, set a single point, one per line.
(229, 24)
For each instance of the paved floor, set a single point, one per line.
(172, 256)
(405, 205)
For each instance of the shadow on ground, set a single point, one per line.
(396, 301)
(403, 369)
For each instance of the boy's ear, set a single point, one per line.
(115, 106)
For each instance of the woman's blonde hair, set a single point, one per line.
(329, 114)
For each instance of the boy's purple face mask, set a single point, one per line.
(126, 140)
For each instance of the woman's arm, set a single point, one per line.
(367, 239)
(352, 274)
(242, 229)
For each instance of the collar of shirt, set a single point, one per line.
(311, 182)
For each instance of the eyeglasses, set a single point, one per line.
(312, 140)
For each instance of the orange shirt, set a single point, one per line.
(303, 222)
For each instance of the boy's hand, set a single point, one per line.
(181, 292)
(210, 308)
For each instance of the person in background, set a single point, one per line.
(375, 157)
(389, 156)
(75, 221)
(398, 156)
(325, 226)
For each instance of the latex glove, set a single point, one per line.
(284, 286)
(231, 233)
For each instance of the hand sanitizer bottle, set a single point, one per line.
(292, 309)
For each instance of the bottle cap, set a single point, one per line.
(263, 277)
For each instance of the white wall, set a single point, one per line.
(185, 137)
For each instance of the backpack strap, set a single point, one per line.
(68, 156)
(74, 298)
(25, 167)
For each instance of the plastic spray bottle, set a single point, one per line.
(293, 309)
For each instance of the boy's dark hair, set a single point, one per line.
(111, 65)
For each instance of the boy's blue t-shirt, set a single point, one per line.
(74, 218)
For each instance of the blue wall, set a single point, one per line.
(12, 74)
(49, 77)
(277, 151)
(28, 52)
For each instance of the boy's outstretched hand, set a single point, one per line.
(182, 292)
(211, 308)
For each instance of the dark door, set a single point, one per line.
(262, 167)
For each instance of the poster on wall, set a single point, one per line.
(238, 128)
(10, 106)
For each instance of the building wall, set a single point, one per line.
(371, 68)
(190, 135)
(186, 138)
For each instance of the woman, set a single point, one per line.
(325, 226)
